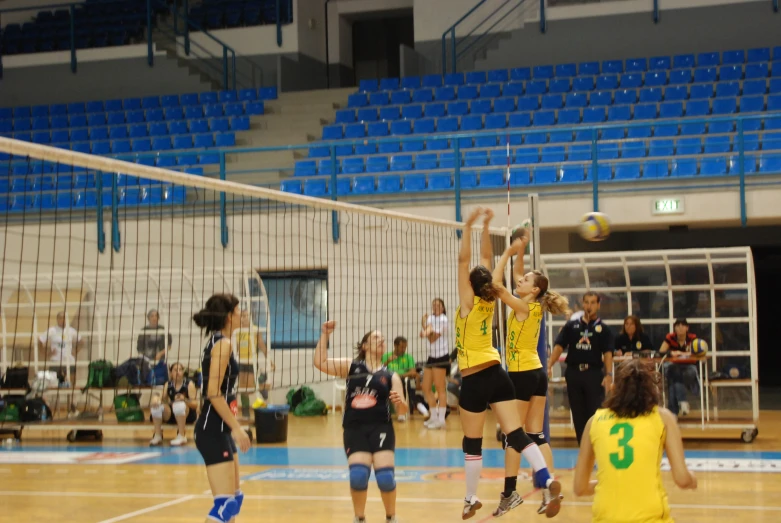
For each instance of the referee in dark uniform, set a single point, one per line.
(587, 340)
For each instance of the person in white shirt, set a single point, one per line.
(58, 342)
(435, 329)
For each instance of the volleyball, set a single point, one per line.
(699, 346)
(594, 226)
(520, 230)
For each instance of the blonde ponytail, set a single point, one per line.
(555, 303)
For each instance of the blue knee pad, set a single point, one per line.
(225, 508)
(359, 477)
(239, 497)
(386, 479)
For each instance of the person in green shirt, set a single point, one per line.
(402, 364)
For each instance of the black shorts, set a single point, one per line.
(214, 445)
(491, 385)
(191, 417)
(443, 362)
(530, 383)
(370, 437)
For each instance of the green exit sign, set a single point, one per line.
(667, 206)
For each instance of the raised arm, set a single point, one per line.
(486, 249)
(518, 267)
(519, 306)
(465, 293)
(339, 367)
(673, 445)
(583, 486)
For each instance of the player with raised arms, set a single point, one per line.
(217, 427)
(530, 380)
(369, 439)
(627, 438)
(486, 383)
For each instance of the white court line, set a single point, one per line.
(207, 495)
(148, 509)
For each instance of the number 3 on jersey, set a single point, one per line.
(484, 328)
(623, 459)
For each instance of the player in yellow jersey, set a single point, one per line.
(485, 382)
(627, 439)
(530, 380)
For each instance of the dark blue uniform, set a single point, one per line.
(367, 417)
(172, 392)
(212, 435)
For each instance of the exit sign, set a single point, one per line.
(667, 206)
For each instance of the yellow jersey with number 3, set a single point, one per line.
(522, 337)
(628, 455)
(474, 335)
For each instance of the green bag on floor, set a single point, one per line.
(128, 408)
(303, 402)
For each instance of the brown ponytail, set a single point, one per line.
(359, 346)
(482, 284)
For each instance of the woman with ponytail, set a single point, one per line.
(369, 439)
(217, 431)
(485, 382)
(524, 319)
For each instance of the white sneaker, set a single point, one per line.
(422, 409)
(436, 425)
(684, 408)
(178, 441)
(157, 439)
(471, 506)
(402, 417)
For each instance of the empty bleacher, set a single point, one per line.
(172, 131)
(654, 97)
(216, 14)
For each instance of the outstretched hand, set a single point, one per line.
(328, 327)
(473, 216)
(489, 215)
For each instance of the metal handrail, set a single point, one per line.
(488, 31)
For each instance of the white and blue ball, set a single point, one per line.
(594, 227)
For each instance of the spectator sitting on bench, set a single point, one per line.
(178, 406)
(151, 345)
(57, 342)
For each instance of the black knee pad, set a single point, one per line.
(472, 446)
(538, 438)
(518, 440)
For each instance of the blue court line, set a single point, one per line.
(323, 457)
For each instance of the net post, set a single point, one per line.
(334, 214)
(115, 238)
(457, 180)
(594, 170)
(536, 264)
(99, 210)
(223, 210)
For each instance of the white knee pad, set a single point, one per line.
(157, 411)
(179, 408)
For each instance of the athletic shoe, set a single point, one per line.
(178, 441)
(422, 409)
(506, 504)
(471, 506)
(390, 519)
(684, 405)
(356, 519)
(551, 499)
(157, 440)
(436, 425)
(402, 417)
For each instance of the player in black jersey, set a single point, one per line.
(217, 426)
(177, 406)
(368, 431)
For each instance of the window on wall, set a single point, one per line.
(298, 306)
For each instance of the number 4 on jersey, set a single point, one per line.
(484, 328)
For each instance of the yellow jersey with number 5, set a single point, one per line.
(628, 455)
(522, 337)
(474, 334)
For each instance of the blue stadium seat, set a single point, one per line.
(389, 183)
(490, 91)
(569, 117)
(414, 183)
(631, 81)
(422, 95)
(692, 129)
(656, 169)
(592, 115)
(355, 130)
(705, 75)
(734, 57)
(42, 111)
(514, 89)
(754, 87)
(579, 153)
(627, 171)
(543, 71)
(727, 89)
(636, 65)
(601, 98)
(475, 158)
(373, 129)
(680, 76)
(435, 110)
(671, 110)
(376, 164)
(412, 112)
(725, 106)
(583, 83)
(101, 147)
(472, 123)
(445, 94)
(717, 144)
(613, 66)
(357, 100)
(216, 124)
(401, 97)
(498, 75)
(401, 162)
(607, 82)
(544, 175)
(480, 106)
(609, 151)
(352, 165)
(150, 102)
(651, 95)
(225, 139)
(62, 136)
(41, 137)
(684, 167)
(128, 104)
(713, 166)
(457, 109)
(701, 91)
(689, 146)
(619, 113)
(553, 154)
(645, 111)
(675, 93)
(305, 168)
(527, 155)
(316, 187)
(161, 143)
(697, 108)
(588, 68)
(491, 178)
(231, 109)
(142, 145)
(380, 98)
(439, 181)
(663, 147)
(401, 127)
(633, 150)
(754, 71)
(528, 103)
(98, 133)
(390, 113)
(246, 95)
(770, 163)
(467, 92)
(82, 135)
(367, 114)
(544, 118)
(60, 122)
(536, 138)
(749, 165)
(576, 100)
(536, 87)
(761, 54)
(520, 176)
(559, 86)
(552, 101)
(368, 86)
(656, 79)
(520, 74)
(730, 72)
(210, 111)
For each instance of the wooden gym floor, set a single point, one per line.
(304, 480)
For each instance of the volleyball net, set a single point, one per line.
(109, 260)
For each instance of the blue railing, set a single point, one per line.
(480, 33)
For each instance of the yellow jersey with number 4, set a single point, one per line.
(522, 337)
(474, 334)
(628, 455)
